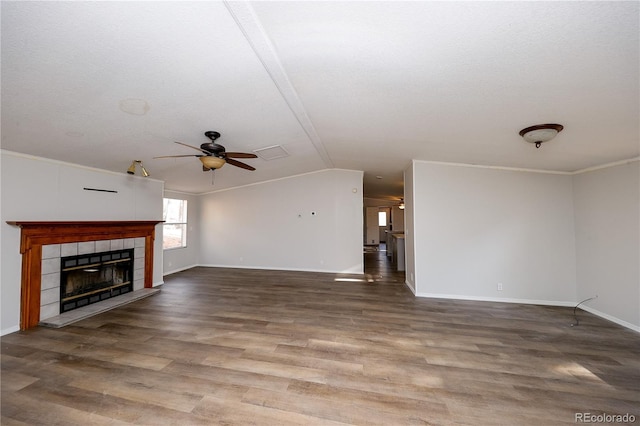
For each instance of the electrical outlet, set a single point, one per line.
(499, 286)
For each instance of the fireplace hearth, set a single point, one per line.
(91, 278)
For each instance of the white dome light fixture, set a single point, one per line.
(541, 133)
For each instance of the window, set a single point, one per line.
(174, 214)
(382, 218)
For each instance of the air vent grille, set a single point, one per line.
(271, 152)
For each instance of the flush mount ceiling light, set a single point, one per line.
(132, 168)
(541, 133)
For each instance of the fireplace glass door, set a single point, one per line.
(91, 278)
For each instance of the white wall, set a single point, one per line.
(271, 226)
(607, 228)
(397, 218)
(179, 259)
(372, 226)
(409, 230)
(477, 227)
(37, 189)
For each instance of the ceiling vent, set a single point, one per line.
(271, 152)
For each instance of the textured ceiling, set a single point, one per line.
(355, 85)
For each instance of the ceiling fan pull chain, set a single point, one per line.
(213, 176)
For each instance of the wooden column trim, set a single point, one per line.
(34, 235)
(148, 266)
(31, 275)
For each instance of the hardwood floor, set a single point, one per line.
(230, 346)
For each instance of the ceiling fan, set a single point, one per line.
(213, 155)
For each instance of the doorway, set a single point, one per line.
(383, 224)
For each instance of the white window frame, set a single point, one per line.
(171, 224)
(383, 220)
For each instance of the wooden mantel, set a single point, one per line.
(34, 235)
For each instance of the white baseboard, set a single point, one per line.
(267, 268)
(10, 330)
(611, 318)
(498, 299)
(531, 302)
(410, 288)
(173, 271)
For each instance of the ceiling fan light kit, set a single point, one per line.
(540, 133)
(211, 162)
(132, 168)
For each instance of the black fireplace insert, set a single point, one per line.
(91, 278)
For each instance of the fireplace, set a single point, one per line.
(91, 278)
(36, 236)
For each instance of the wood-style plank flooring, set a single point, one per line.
(230, 346)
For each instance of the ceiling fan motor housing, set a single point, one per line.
(213, 148)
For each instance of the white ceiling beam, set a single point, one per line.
(248, 22)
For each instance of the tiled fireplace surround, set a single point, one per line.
(43, 243)
(52, 253)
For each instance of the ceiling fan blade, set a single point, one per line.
(240, 164)
(176, 156)
(191, 146)
(239, 155)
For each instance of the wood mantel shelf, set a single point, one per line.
(34, 235)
